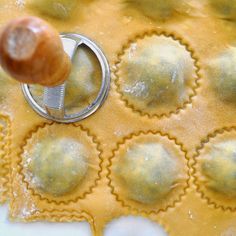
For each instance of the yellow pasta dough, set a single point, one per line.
(161, 146)
(61, 9)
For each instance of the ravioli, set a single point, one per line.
(161, 9)
(226, 8)
(61, 9)
(57, 165)
(222, 73)
(219, 168)
(148, 172)
(156, 75)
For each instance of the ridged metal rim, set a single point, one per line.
(96, 104)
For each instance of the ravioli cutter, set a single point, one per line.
(32, 52)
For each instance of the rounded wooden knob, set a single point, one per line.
(31, 52)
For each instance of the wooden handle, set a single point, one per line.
(31, 52)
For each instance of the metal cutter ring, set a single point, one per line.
(54, 96)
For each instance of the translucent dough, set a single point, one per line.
(219, 168)
(85, 79)
(58, 165)
(222, 72)
(156, 73)
(226, 8)
(148, 172)
(156, 9)
(82, 86)
(61, 9)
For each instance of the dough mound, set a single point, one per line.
(61, 9)
(58, 165)
(157, 72)
(226, 8)
(222, 72)
(84, 82)
(148, 172)
(219, 168)
(156, 9)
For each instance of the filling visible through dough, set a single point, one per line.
(61, 9)
(155, 9)
(160, 9)
(83, 84)
(219, 168)
(222, 72)
(148, 172)
(156, 71)
(57, 165)
(226, 8)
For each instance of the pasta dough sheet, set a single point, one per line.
(163, 144)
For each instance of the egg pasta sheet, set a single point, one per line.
(163, 145)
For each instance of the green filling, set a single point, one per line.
(61, 9)
(148, 172)
(155, 9)
(227, 8)
(157, 73)
(57, 166)
(219, 168)
(222, 72)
